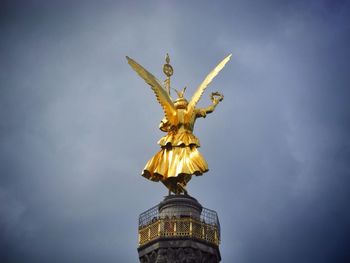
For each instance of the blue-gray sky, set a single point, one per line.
(77, 125)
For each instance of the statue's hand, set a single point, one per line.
(203, 113)
(165, 125)
(216, 97)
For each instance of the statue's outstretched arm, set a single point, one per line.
(215, 97)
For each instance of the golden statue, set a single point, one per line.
(179, 157)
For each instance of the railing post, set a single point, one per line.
(203, 231)
(190, 226)
(159, 227)
(149, 233)
(215, 237)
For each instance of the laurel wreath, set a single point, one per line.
(216, 96)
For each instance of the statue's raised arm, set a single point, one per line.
(215, 97)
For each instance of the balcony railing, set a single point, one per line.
(153, 226)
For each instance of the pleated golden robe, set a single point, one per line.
(179, 157)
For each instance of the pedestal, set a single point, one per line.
(179, 230)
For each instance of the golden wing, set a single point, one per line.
(161, 94)
(196, 97)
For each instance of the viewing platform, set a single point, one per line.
(177, 219)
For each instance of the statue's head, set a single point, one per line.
(180, 102)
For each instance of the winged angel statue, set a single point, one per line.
(178, 158)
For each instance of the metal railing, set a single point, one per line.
(153, 226)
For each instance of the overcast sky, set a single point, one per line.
(77, 125)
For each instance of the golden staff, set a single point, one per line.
(168, 71)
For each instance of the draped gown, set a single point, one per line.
(178, 158)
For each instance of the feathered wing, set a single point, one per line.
(198, 94)
(161, 94)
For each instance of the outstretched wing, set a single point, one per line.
(161, 94)
(196, 97)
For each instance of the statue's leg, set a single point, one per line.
(181, 188)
